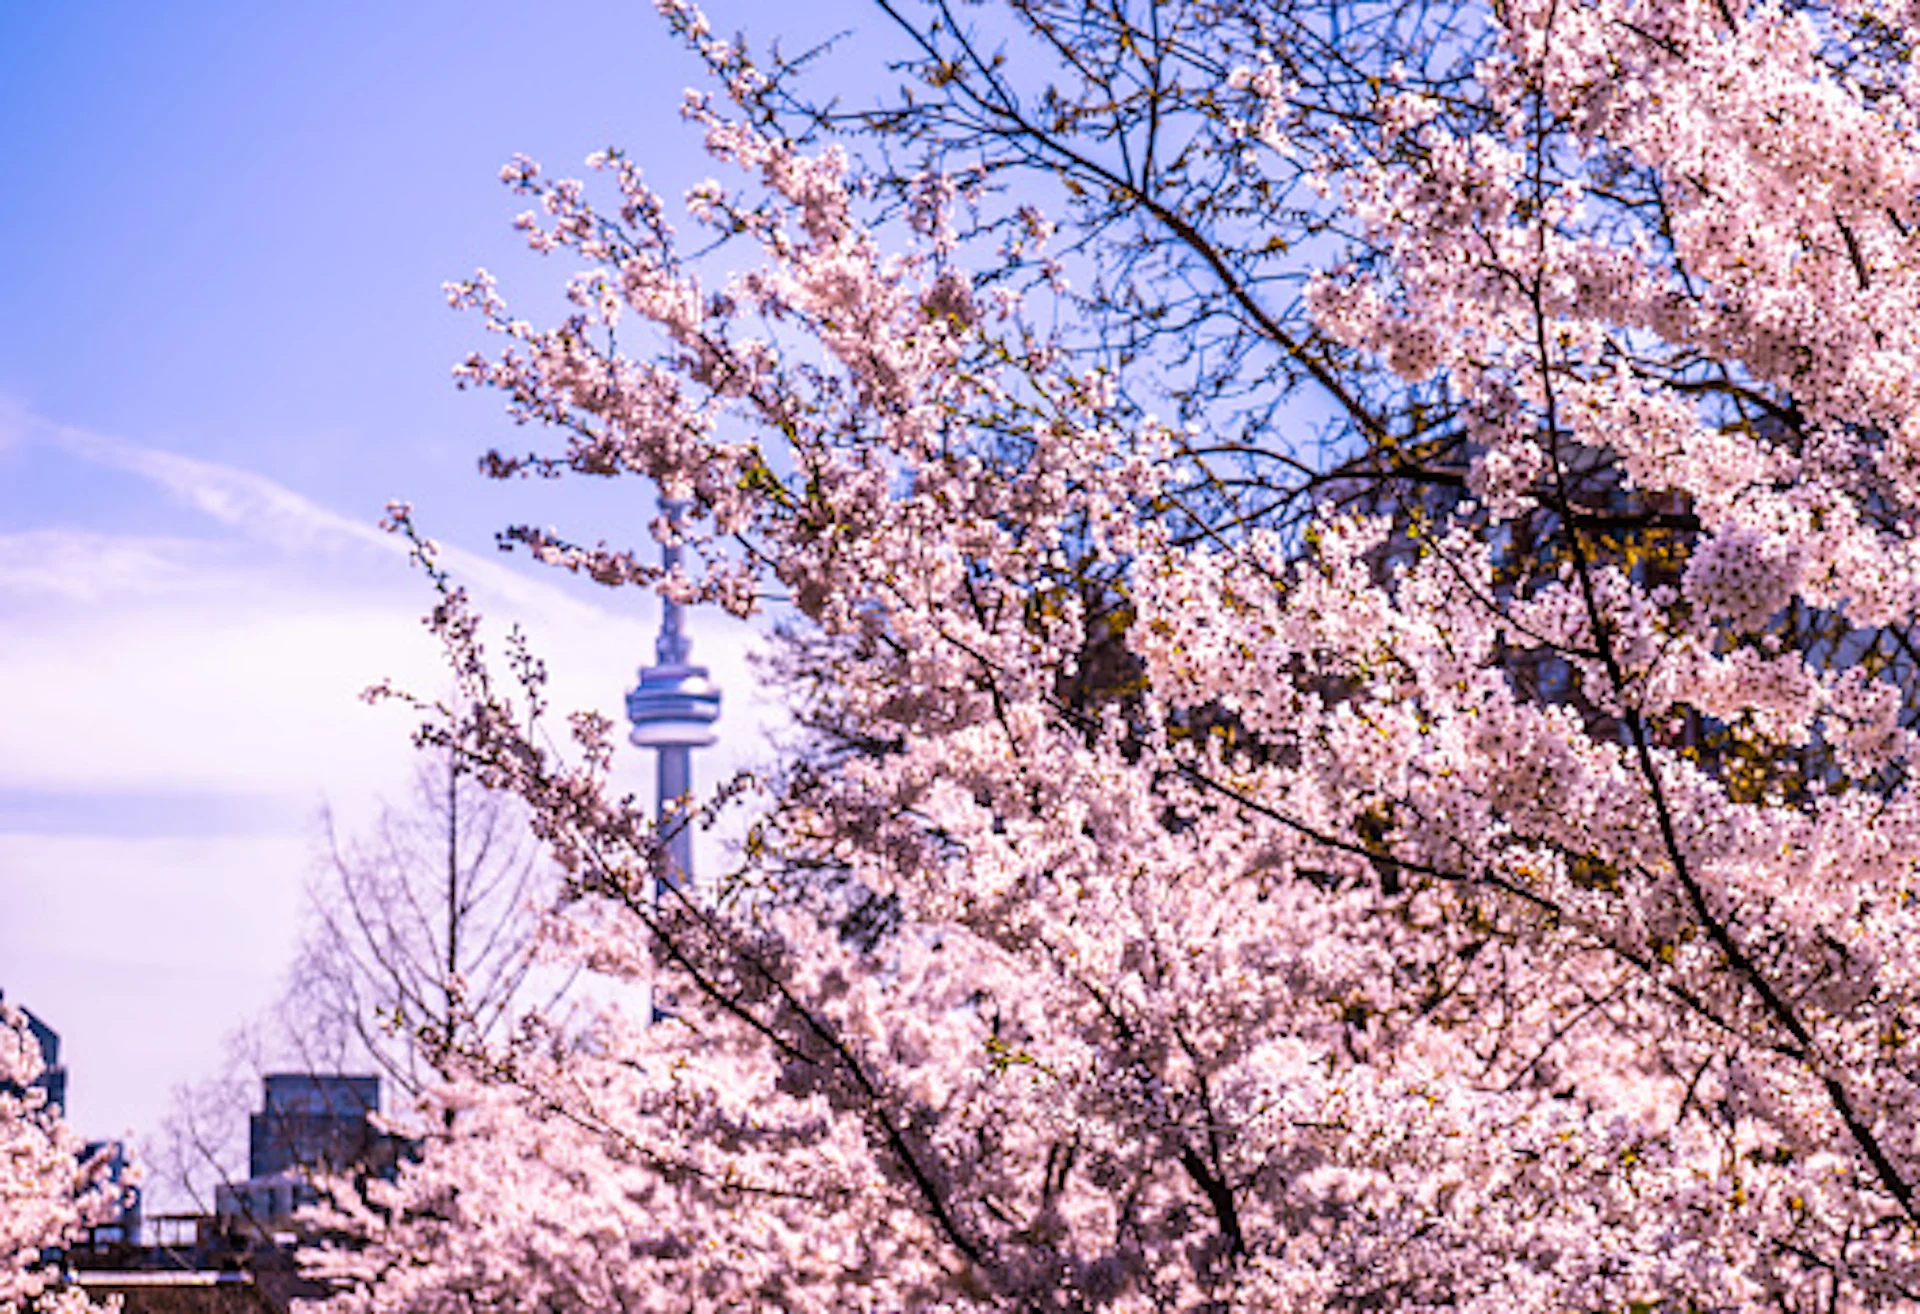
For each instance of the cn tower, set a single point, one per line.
(673, 710)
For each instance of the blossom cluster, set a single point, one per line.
(49, 1191)
(1495, 901)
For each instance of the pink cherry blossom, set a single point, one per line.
(1496, 893)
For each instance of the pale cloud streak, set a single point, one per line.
(274, 515)
(251, 503)
(209, 663)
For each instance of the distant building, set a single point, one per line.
(53, 1080)
(191, 1264)
(312, 1120)
(308, 1122)
(242, 1259)
(124, 1227)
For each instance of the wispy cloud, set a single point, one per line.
(232, 661)
(251, 503)
(274, 515)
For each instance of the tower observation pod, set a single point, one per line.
(672, 711)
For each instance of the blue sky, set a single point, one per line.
(223, 348)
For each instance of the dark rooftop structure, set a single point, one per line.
(311, 1120)
(242, 1258)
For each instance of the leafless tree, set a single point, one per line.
(421, 936)
(419, 943)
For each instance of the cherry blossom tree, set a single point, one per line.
(49, 1192)
(1457, 855)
